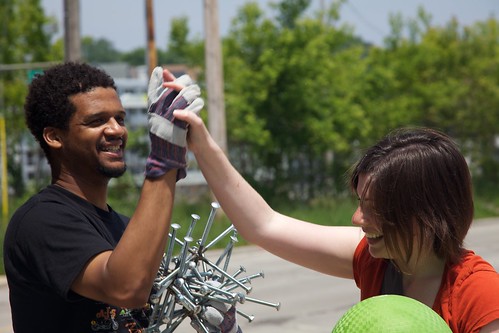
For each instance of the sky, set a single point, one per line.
(123, 22)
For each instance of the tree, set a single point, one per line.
(442, 77)
(290, 11)
(305, 96)
(291, 99)
(24, 39)
(135, 57)
(98, 51)
(181, 50)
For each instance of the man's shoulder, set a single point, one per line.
(50, 210)
(40, 204)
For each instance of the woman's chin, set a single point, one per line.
(377, 247)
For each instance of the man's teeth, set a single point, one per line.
(112, 149)
(372, 235)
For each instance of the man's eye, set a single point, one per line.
(96, 122)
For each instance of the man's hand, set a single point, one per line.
(168, 135)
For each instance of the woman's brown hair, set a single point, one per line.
(420, 190)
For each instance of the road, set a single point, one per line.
(310, 301)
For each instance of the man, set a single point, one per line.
(73, 264)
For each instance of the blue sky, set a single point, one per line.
(123, 21)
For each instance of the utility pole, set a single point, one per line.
(5, 184)
(152, 57)
(72, 38)
(214, 75)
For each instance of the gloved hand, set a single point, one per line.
(218, 316)
(168, 135)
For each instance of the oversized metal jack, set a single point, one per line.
(187, 283)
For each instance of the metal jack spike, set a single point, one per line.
(230, 286)
(169, 252)
(194, 219)
(183, 256)
(207, 228)
(258, 301)
(227, 249)
(229, 253)
(217, 239)
(247, 316)
(228, 276)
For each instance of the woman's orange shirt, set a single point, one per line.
(468, 298)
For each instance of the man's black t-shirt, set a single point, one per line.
(48, 242)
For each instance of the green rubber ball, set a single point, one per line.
(390, 314)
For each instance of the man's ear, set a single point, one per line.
(52, 137)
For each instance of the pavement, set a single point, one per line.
(310, 301)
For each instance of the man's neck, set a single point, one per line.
(94, 192)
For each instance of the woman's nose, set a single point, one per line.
(358, 217)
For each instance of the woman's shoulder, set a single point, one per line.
(473, 272)
(470, 293)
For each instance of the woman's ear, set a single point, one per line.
(52, 137)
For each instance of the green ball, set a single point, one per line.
(391, 314)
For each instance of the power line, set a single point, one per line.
(28, 65)
(362, 18)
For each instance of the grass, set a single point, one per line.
(324, 212)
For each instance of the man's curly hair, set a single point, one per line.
(48, 104)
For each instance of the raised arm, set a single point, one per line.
(325, 249)
(124, 276)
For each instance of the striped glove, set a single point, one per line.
(217, 316)
(168, 135)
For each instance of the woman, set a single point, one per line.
(415, 208)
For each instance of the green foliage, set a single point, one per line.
(445, 77)
(24, 38)
(178, 44)
(138, 141)
(23, 35)
(292, 92)
(290, 11)
(304, 95)
(98, 51)
(135, 57)
(323, 211)
(180, 50)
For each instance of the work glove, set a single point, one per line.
(168, 135)
(218, 316)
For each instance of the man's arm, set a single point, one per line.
(124, 276)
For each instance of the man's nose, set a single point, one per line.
(115, 127)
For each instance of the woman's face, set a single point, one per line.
(364, 217)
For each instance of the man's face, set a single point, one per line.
(94, 145)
